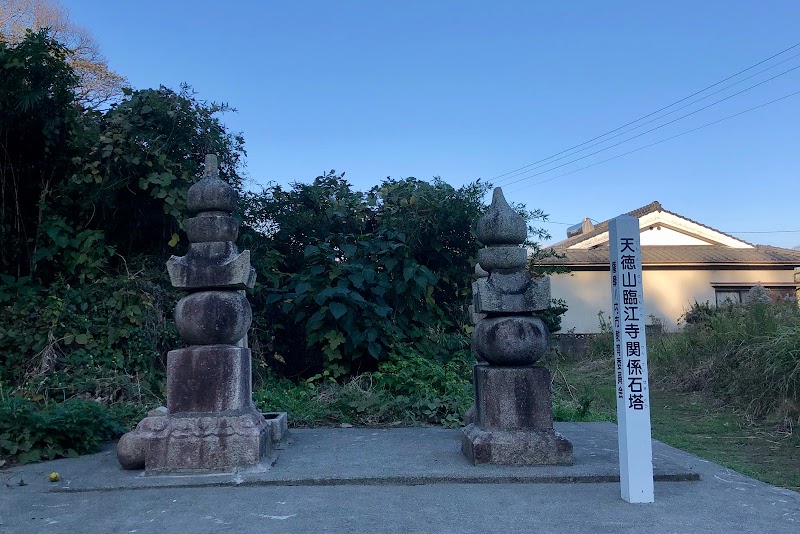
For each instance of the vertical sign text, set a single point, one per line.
(630, 361)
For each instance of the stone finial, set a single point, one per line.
(211, 193)
(502, 230)
(211, 167)
(501, 225)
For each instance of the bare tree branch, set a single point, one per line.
(99, 85)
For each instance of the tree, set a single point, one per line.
(141, 159)
(79, 186)
(98, 85)
(38, 115)
(345, 276)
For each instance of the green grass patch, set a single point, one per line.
(407, 390)
(694, 421)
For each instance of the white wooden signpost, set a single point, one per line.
(630, 361)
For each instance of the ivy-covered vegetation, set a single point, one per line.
(354, 287)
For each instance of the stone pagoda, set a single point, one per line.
(210, 422)
(513, 420)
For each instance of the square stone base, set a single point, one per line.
(209, 379)
(515, 447)
(513, 419)
(203, 443)
(512, 398)
(210, 424)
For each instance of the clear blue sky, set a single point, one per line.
(467, 90)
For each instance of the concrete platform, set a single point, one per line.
(394, 480)
(400, 456)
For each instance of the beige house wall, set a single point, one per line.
(668, 293)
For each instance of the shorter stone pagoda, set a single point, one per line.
(210, 422)
(513, 419)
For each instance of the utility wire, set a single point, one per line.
(659, 142)
(651, 129)
(653, 113)
(513, 175)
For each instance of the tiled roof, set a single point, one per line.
(686, 255)
(638, 213)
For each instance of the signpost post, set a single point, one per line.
(630, 361)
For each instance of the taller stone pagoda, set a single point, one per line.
(210, 423)
(513, 420)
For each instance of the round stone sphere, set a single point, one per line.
(511, 340)
(213, 317)
(211, 194)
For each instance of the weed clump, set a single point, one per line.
(748, 354)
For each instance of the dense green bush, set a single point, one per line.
(106, 340)
(30, 432)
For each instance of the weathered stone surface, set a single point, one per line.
(278, 423)
(132, 446)
(211, 423)
(510, 340)
(213, 317)
(211, 193)
(511, 422)
(212, 265)
(469, 417)
(209, 228)
(501, 225)
(504, 258)
(211, 378)
(212, 442)
(474, 317)
(515, 447)
(512, 398)
(510, 293)
(479, 271)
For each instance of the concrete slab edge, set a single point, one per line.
(376, 481)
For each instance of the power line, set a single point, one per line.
(650, 130)
(659, 142)
(513, 175)
(653, 113)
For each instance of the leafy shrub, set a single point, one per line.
(407, 389)
(354, 297)
(700, 316)
(433, 392)
(105, 340)
(29, 433)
